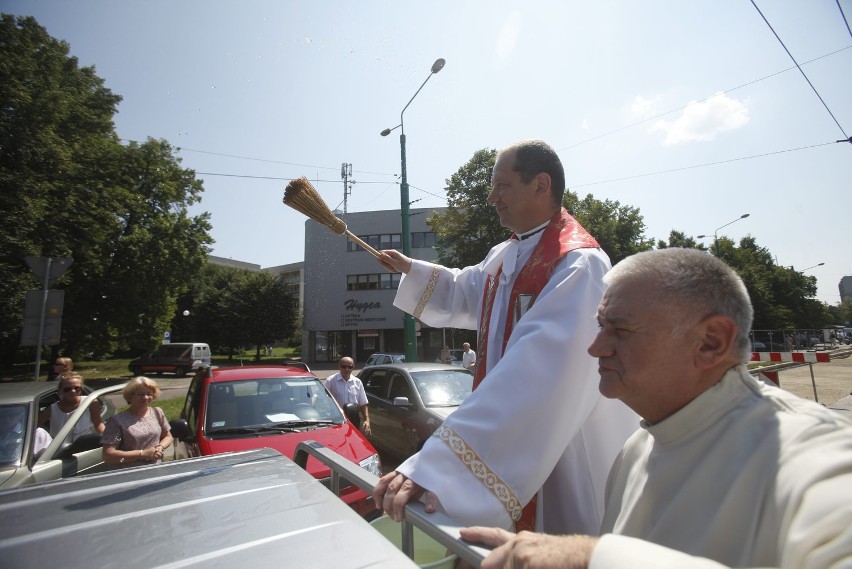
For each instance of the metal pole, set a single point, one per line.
(813, 382)
(41, 317)
(409, 334)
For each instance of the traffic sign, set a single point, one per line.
(57, 267)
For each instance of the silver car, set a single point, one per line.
(20, 404)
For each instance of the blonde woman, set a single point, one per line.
(70, 396)
(140, 434)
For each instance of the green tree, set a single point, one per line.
(470, 227)
(237, 308)
(782, 297)
(680, 239)
(619, 229)
(68, 188)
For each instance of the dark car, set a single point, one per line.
(230, 409)
(408, 402)
(20, 404)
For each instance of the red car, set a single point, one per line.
(241, 408)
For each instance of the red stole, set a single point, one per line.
(562, 235)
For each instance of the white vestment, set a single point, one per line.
(537, 421)
(746, 475)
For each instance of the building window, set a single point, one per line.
(373, 281)
(380, 241)
(423, 240)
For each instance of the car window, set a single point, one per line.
(260, 402)
(193, 401)
(443, 387)
(400, 387)
(13, 422)
(376, 383)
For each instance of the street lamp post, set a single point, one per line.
(812, 267)
(408, 328)
(716, 232)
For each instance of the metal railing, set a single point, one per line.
(438, 526)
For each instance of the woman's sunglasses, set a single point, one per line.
(70, 389)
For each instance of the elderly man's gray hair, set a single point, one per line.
(697, 281)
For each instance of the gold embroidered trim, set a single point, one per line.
(481, 471)
(427, 292)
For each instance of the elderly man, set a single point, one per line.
(725, 471)
(530, 301)
(346, 388)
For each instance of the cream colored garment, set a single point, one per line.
(746, 475)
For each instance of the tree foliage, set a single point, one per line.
(470, 228)
(619, 229)
(680, 239)
(69, 188)
(782, 297)
(236, 309)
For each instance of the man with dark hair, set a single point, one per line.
(725, 469)
(530, 300)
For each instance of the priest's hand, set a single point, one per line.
(394, 261)
(395, 490)
(531, 550)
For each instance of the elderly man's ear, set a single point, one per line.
(716, 341)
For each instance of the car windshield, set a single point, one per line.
(278, 401)
(12, 421)
(443, 388)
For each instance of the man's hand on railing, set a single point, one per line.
(395, 490)
(531, 550)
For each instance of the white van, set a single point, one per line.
(178, 358)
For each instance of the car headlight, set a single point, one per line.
(372, 464)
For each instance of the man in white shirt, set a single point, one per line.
(725, 471)
(468, 357)
(346, 388)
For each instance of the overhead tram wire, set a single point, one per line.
(842, 15)
(572, 186)
(637, 123)
(846, 136)
(702, 165)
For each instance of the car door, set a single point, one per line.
(64, 458)
(376, 383)
(402, 419)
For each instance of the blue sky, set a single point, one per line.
(637, 97)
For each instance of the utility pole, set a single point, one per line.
(345, 174)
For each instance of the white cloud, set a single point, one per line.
(508, 38)
(585, 124)
(704, 120)
(642, 107)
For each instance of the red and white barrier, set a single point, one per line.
(803, 357)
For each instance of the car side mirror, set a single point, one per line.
(180, 429)
(351, 412)
(401, 402)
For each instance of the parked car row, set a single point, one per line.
(251, 407)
